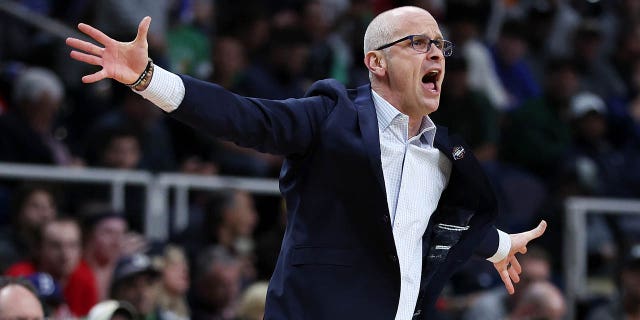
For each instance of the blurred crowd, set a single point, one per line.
(546, 92)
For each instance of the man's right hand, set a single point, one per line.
(121, 61)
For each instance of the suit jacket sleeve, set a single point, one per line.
(285, 127)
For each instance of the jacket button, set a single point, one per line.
(393, 257)
(385, 218)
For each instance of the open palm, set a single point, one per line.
(121, 61)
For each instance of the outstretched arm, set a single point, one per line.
(121, 61)
(509, 267)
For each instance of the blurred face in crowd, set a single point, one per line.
(122, 153)
(220, 286)
(400, 72)
(38, 208)
(42, 112)
(138, 291)
(563, 83)
(512, 49)
(242, 217)
(17, 302)
(107, 238)
(533, 270)
(175, 274)
(60, 250)
(230, 56)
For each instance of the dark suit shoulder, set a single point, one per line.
(330, 88)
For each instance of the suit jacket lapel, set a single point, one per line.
(369, 129)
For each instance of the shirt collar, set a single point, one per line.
(385, 113)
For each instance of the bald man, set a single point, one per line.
(383, 205)
(18, 300)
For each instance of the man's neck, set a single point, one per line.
(415, 121)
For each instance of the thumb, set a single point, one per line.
(520, 240)
(143, 29)
(537, 231)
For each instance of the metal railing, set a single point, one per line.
(575, 240)
(157, 189)
(118, 179)
(182, 184)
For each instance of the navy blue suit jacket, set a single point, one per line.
(338, 257)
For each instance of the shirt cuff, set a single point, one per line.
(504, 246)
(166, 89)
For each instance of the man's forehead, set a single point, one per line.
(417, 23)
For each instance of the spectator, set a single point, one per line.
(104, 233)
(173, 287)
(58, 254)
(115, 147)
(625, 304)
(112, 310)
(601, 167)
(139, 117)
(597, 74)
(188, 39)
(216, 286)
(536, 135)
(134, 279)
(27, 130)
(464, 23)
(50, 295)
(18, 300)
(541, 300)
(228, 224)
(252, 302)
(510, 56)
(496, 304)
(32, 206)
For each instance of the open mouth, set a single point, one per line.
(431, 80)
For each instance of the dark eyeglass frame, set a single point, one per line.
(445, 46)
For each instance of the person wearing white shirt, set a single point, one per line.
(383, 205)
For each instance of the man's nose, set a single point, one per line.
(435, 53)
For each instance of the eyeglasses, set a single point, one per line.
(422, 44)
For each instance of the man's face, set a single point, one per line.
(242, 217)
(138, 291)
(60, 250)
(107, 238)
(409, 88)
(122, 153)
(38, 209)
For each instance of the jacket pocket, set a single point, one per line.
(321, 256)
(445, 236)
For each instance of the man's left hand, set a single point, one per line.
(509, 267)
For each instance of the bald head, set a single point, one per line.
(389, 25)
(18, 302)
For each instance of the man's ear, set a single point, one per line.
(376, 63)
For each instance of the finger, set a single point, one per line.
(515, 264)
(94, 77)
(513, 274)
(143, 29)
(504, 275)
(94, 33)
(90, 59)
(84, 46)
